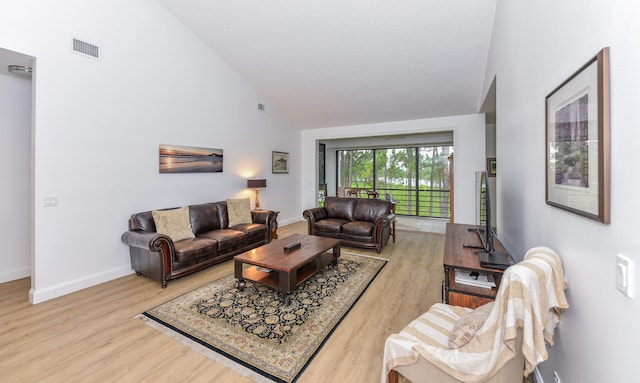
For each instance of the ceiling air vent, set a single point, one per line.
(86, 49)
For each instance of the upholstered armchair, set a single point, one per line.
(499, 342)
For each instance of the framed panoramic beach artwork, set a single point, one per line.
(188, 159)
(577, 141)
(279, 162)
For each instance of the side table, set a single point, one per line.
(274, 225)
(393, 210)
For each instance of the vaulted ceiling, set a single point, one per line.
(344, 62)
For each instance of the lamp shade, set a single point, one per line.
(257, 183)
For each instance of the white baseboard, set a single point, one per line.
(55, 291)
(12, 275)
(289, 221)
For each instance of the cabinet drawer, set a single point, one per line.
(470, 301)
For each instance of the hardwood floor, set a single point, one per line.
(94, 336)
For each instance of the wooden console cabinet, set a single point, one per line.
(456, 256)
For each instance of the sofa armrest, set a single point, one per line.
(144, 247)
(385, 219)
(262, 216)
(380, 224)
(148, 241)
(315, 214)
(268, 218)
(382, 229)
(312, 216)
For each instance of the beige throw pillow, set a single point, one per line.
(174, 223)
(239, 211)
(466, 327)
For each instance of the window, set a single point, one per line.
(416, 177)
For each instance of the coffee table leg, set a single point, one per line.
(287, 285)
(336, 255)
(238, 274)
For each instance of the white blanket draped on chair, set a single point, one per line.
(530, 297)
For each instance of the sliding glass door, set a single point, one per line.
(355, 170)
(417, 178)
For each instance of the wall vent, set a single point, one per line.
(86, 49)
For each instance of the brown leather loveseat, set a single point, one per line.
(158, 257)
(360, 222)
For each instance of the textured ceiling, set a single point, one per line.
(344, 62)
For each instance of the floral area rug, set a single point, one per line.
(253, 332)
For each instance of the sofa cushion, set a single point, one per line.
(370, 209)
(341, 208)
(228, 240)
(204, 217)
(239, 211)
(174, 223)
(194, 248)
(358, 229)
(330, 225)
(256, 232)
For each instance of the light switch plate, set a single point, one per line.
(50, 201)
(624, 275)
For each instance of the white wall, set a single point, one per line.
(15, 157)
(468, 146)
(535, 47)
(98, 125)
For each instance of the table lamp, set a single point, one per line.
(257, 183)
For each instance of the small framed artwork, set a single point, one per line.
(577, 141)
(491, 167)
(279, 162)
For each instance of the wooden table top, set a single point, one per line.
(273, 256)
(456, 255)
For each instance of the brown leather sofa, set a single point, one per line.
(158, 257)
(360, 222)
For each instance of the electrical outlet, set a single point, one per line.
(556, 378)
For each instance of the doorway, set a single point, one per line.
(16, 90)
(489, 110)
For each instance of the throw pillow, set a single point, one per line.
(174, 223)
(239, 211)
(466, 327)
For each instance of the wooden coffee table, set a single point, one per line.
(283, 270)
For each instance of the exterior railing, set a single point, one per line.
(430, 203)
